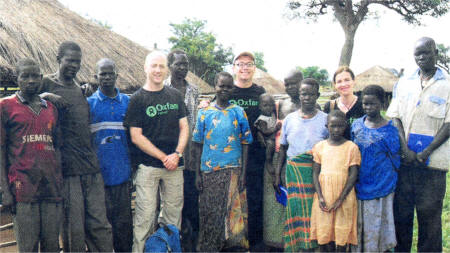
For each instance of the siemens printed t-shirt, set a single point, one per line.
(78, 155)
(158, 114)
(32, 162)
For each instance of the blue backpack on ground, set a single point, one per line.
(165, 239)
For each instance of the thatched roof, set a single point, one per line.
(271, 85)
(35, 28)
(376, 75)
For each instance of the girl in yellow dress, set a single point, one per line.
(334, 210)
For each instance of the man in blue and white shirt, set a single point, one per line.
(420, 109)
(107, 111)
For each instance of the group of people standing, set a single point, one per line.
(351, 178)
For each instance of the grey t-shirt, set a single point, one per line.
(78, 155)
(302, 134)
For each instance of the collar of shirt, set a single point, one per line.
(220, 108)
(438, 75)
(54, 78)
(102, 96)
(24, 101)
(188, 85)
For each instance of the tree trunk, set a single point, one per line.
(347, 49)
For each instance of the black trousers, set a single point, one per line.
(423, 189)
(254, 184)
(118, 212)
(190, 220)
(85, 219)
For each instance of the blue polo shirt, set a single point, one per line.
(109, 134)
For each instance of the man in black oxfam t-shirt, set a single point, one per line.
(246, 95)
(159, 128)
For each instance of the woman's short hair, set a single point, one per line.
(343, 69)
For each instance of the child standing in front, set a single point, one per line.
(334, 210)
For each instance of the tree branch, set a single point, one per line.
(412, 10)
(362, 10)
(339, 13)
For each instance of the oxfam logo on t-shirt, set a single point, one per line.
(160, 109)
(244, 103)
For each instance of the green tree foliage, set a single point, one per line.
(350, 14)
(443, 59)
(321, 75)
(259, 60)
(206, 56)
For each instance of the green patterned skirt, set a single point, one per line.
(300, 187)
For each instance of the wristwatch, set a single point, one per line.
(179, 154)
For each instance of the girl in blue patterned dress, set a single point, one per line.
(379, 144)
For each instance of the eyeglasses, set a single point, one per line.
(248, 64)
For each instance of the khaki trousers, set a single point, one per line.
(148, 180)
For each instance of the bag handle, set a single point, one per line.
(332, 104)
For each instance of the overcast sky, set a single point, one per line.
(261, 25)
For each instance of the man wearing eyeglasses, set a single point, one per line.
(246, 94)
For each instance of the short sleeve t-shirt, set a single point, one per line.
(221, 131)
(248, 99)
(158, 114)
(32, 162)
(78, 155)
(302, 134)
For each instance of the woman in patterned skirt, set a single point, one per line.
(301, 130)
(221, 139)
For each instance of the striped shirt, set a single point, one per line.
(110, 137)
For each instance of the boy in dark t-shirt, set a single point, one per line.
(30, 167)
(156, 117)
(84, 199)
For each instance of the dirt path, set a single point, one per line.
(8, 234)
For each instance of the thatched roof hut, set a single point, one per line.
(376, 75)
(35, 28)
(271, 85)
